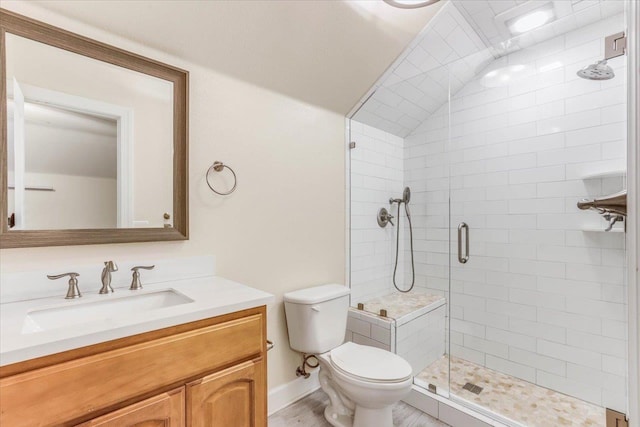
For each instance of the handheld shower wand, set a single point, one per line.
(406, 196)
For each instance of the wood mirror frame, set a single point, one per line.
(19, 25)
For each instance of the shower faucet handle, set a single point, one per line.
(384, 217)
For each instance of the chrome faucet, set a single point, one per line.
(109, 267)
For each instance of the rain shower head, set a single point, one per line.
(598, 71)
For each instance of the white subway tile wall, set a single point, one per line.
(540, 298)
(421, 341)
(461, 40)
(417, 86)
(369, 329)
(376, 176)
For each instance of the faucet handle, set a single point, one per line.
(73, 291)
(135, 280)
(72, 276)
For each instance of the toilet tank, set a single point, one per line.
(317, 318)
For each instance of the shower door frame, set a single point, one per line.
(632, 12)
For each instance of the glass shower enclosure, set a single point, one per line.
(500, 117)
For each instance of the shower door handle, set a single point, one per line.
(465, 258)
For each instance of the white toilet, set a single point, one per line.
(363, 383)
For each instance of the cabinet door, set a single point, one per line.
(233, 397)
(164, 410)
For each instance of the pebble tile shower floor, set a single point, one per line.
(513, 398)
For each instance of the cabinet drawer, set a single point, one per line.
(74, 389)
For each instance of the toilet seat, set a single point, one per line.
(370, 364)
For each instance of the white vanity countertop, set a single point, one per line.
(212, 296)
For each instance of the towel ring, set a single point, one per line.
(218, 167)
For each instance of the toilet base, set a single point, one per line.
(339, 411)
(365, 417)
(343, 412)
(340, 416)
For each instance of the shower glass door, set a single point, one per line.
(537, 293)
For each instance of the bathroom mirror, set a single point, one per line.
(94, 141)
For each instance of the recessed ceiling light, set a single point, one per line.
(410, 4)
(530, 21)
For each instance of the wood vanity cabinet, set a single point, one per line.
(208, 373)
(164, 410)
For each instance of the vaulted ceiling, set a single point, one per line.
(464, 38)
(324, 52)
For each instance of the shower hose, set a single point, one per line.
(413, 268)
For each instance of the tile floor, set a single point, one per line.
(309, 412)
(516, 399)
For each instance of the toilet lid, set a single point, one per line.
(370, 363)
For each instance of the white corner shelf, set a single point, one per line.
(605, 174)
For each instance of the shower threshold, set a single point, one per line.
(509, 397)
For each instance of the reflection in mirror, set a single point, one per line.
(69, 169)
(85, 152)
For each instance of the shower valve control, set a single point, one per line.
(384, 217)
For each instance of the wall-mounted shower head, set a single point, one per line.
(406, 196)
(598, 71)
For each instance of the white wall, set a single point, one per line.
(376, 176)
(540, 298)
(283, 228)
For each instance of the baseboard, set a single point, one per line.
(285, 394)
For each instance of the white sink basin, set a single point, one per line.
(109, 307)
